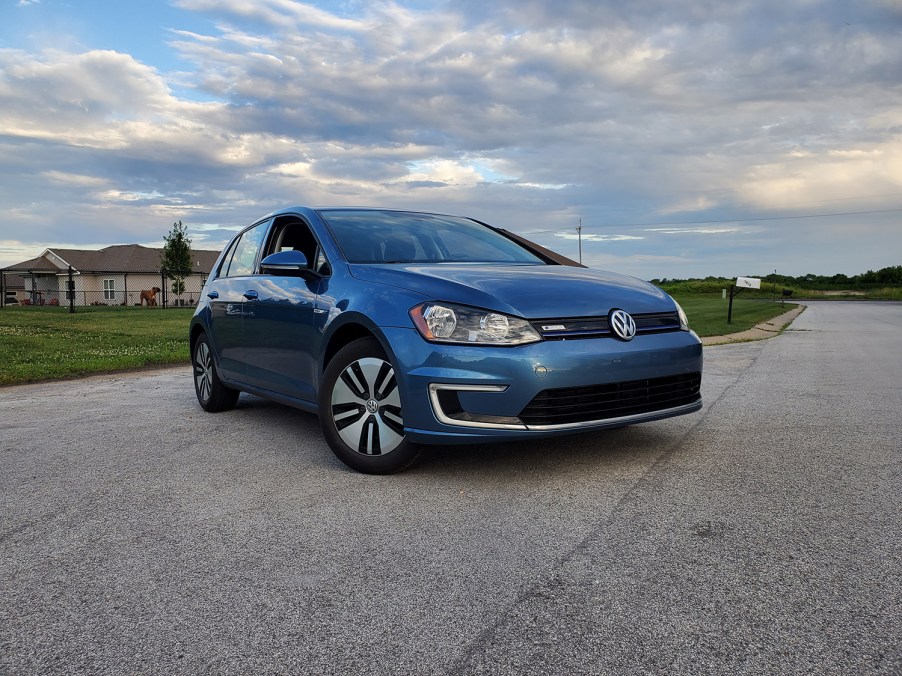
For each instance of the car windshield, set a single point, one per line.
(409, 237)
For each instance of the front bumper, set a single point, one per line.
(459, 393)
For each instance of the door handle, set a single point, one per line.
(251, 295)
(213, 295)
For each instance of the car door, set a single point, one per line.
(278, 319)
(228, 296)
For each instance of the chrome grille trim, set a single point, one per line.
(556, 328)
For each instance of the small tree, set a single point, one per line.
(175, 261)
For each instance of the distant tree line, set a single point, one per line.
(891, 276)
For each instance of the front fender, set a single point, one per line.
(381, 309)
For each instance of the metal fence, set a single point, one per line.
(151, 290)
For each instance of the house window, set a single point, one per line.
(109, 289)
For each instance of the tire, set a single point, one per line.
(360, 410)
(212, 395)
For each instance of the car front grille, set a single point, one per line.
(597, 327)
(569, 405)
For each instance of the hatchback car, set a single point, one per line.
(402, 328)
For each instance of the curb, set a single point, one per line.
(769, 329)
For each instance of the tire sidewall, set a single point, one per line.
(221, 397)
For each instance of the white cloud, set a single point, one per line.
(79, 180)
(444, 172)
(591, 237)
(274, 12)
(530, 115)
(825, 176)
(694, 230)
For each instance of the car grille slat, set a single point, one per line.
(614, 400)
(571, 328)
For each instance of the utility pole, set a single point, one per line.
(579, 236)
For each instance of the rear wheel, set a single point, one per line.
(360, 410)
(211, 393)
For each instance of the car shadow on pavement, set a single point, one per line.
(297, 434)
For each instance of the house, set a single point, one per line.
(115, 275)
(12, 285)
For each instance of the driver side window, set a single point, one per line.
(291, 233)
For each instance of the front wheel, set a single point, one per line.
(212, 395)
(360, 410)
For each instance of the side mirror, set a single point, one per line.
(291, 262)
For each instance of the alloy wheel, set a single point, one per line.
(366, 407)
(203, 371)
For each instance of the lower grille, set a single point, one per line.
(567, 405)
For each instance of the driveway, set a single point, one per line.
(762, 535)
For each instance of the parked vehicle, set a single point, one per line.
(402, 328)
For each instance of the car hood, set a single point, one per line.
(531, 291)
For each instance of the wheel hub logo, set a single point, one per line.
(372, 406)
(624, 326)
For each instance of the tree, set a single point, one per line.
(175, 261)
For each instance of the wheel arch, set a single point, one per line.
(195, 331)
(350, 330)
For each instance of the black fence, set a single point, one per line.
(102, 290)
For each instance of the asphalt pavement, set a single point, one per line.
(139, 534)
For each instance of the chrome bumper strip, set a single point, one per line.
(623, 420)
(486, 423)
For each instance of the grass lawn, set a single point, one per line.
(708, 313)
(45, 343)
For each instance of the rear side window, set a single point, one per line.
(244, 253)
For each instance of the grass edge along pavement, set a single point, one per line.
(761, 331)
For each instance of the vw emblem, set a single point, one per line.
(624, 326)
(372, 406)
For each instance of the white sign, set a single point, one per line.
(748, 283)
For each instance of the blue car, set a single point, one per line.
(401, 329)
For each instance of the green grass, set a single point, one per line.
(694, 287)
(43, 343)
(708, 313)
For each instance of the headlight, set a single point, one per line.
(448, 323)
(684, 320)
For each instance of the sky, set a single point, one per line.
(683, 138)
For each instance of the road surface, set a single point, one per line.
(139, 534)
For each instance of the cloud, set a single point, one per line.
(809, 178)
(591, 237)
(529, 114)
(694, 231)
(273, 13)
